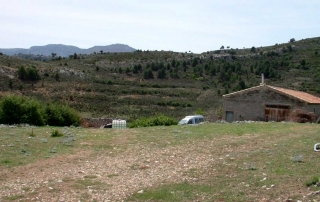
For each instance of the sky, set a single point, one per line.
(172, 25)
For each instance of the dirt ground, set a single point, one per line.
(113, 176)
(104, 177)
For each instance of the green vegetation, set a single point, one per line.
(314, 180)
(14, 197)
(17, 110)
(61, 115)
(146, 83)
(173, 192)
(56, 133)
(21, 148)
(160, 120)
(28, 73)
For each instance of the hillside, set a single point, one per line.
(145, 83)
(64, 50)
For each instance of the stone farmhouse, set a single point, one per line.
(267, 103)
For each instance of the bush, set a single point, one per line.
(161, 120)
(61, 115)
(147, 74)
(16, 110)
(33, 113)
(313, 181)
(28, 73)
(56, 133)
(109, 82)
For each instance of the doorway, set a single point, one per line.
(276, 112)
(229, 116)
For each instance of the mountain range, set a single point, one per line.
(66, 50)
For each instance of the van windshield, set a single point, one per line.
(183, 121)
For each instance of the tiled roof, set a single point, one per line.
(306, 97)
(298, 94)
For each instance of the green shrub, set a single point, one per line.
(199, 111)
(28, 73)
(16, 110)
(33, 113)
(160, 120)
(61, 115)
(314, 180)
(109, 82)
(56, 133)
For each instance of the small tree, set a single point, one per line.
(242, 85)
(127, 70)
(184, 64)
(292, 40)
(32, 74)
(57, 76)
(22, 73)
(194, 62)
(28, 73)
(10, 84)
(75, 56)
(120, 70)
(147, 74)
(161, 74)
(173, 63)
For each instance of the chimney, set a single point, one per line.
(262, 80)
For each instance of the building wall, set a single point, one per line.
(313, 108)
(95, 122)
(250, 104)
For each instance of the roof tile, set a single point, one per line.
(298, 94)
(306, 97)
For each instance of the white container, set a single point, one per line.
(119, 124)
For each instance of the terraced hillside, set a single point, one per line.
(145, 83)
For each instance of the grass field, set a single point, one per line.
(209, 162)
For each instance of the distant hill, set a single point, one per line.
(130, 85)
(64, 50)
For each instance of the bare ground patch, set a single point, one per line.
(228, 161)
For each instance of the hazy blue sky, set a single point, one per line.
(177, 25)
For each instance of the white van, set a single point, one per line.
(195, 119)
